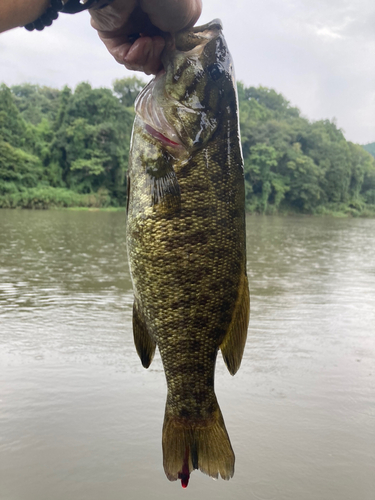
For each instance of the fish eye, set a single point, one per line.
(215, 71)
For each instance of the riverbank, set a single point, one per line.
(48, 197)
(336, 212)
(339, 210)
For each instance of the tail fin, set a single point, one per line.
(191, 444)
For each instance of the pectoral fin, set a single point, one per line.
(143, 342)
(234, 341)
(165, 192)
(162, 182)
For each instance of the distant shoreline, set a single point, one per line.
(69, 149)
(367, 212)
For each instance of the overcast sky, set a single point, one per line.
(320, 54)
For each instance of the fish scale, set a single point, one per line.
(186, 244)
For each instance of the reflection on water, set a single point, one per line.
(81, 419)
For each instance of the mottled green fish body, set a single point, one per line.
(186, 242)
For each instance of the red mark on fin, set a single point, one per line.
(184, 475)
(160, 136)
(184, 480)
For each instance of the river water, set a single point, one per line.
(80, 419)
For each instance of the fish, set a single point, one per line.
(186, 242)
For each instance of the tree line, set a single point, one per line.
(71, 148)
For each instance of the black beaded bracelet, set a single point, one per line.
(69, 7)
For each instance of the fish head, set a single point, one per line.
(186, 101)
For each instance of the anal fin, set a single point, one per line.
(144, 344)
(234, 341)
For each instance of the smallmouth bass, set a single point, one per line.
(186, 242)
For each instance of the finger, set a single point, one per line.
(172, 15)
(112, 17)
(117, 46)
(144, 55)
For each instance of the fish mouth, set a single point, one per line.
(149, 107)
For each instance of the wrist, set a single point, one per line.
(54, 7)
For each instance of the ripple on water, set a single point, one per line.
(80, 416)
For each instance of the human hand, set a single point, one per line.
(131, 30)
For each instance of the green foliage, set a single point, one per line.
(18, 168)
(63, 148)
(370, 148)
(12, 126)
(43, 197)
(127, 90)
(92, 141)
(59, 139)
(293, 165)
(259, 177)
(36, 103)
(268, 99)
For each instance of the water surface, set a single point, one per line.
(81, 419)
